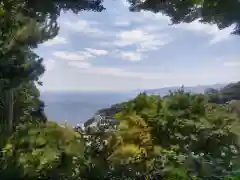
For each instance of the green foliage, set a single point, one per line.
(24, 25)
(184, 129)
(220, 12)
(43, 151)
(176, 174)
(26, 105)
(181, 136)
(232, 178)
(19, 34)
(226, 94)
(235, 104)
(175, 137)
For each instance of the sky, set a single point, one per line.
(118, 50)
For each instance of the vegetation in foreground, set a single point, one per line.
(180, 136)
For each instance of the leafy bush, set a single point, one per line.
(45, 151)
(180, 136)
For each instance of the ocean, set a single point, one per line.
(76, 107)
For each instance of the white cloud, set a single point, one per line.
(125, 3)
(143, 18)
(79, 55)
(118, 72)
(122, 23)
(191, 77)
(85, 77)
(158, 21)
(130, 37)
(232, 64)
(155, 16)
(151, 45)
(74, 56)
(139, 34)
(97, 51)
(213, 30)
(144, 40)
(131, 56)
(142, 15)
(105, 44)
(81, 65)
(83, 26)
(221, 35)
(56, 40)
(49, 64)
(81, 75)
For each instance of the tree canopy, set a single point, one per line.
(181, 133)
(43, 151)
(225, 94)
(223, 13)
(24, 25)
(181, 136)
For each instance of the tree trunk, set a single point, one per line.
(10, 111)
(8, 120)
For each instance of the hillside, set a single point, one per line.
(78, 106)
(193, 89)
(175, 124)
(230, 92)
(225, 94)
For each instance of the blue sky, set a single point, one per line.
(118, 50)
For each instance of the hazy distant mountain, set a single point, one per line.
(76, 107)
(193, 89)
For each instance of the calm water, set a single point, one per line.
(77, 107)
